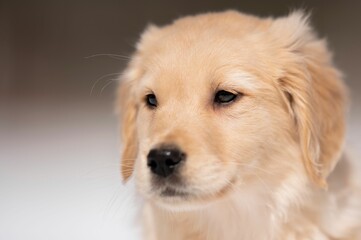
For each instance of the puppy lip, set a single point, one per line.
(172, 192)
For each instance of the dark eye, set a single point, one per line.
(224, 97)
(151, 100)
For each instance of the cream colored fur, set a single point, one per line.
(269, 166)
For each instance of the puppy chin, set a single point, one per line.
(180, 204)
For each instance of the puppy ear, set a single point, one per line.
(315, 93)
(128, 114)
(127, 105)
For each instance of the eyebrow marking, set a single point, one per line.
(242, 79)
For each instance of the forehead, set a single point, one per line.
(194, 59)
(229, 78)
(199, 71)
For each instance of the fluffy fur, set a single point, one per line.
(270, 165)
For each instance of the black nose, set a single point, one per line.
(162, 161)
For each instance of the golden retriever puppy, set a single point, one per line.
(233, 128)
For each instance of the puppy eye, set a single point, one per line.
(151, 100)
(224, 97)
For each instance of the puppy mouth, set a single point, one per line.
(176, 193)
(171, 187)
(172, 192)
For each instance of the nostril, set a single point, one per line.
(152, 164)
(170, 163)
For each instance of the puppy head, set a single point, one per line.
(215, 102)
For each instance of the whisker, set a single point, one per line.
(130, 172)
(114, 56)
(111, 202)
(110, 81)
(127, 169)
(127, 159)
(100, 79)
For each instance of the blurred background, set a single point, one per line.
(59, 147)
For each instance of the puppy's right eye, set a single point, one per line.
(151, 100)
(224, 97)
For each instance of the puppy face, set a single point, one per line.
(216, 103)
(221, 117)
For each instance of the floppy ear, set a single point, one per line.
(126, 101)
(316, 95)
(128, 114)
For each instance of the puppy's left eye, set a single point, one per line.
(151, 101)
(224, 97)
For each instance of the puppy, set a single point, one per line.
(233, 128)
